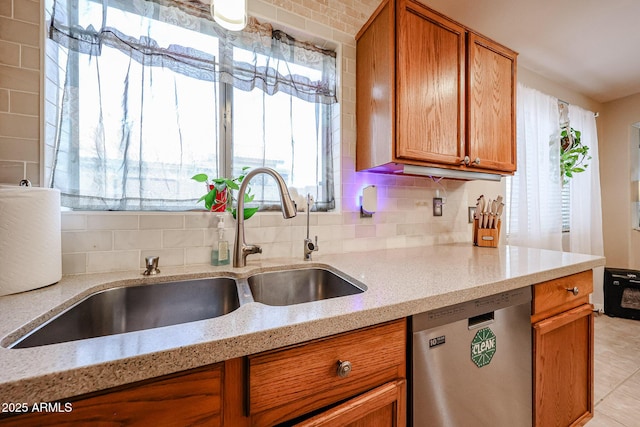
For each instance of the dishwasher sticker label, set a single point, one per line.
(483, 347)
(434, 342)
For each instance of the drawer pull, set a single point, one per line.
(344, 368)
(574, 290)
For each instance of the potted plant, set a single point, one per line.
(573, 154)
(219, 197)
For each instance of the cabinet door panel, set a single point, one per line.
(194, 399)
(563, 368)
(430, 86)
(491, 118)
(383, 406)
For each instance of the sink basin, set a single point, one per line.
(135, 308)
(290, 287)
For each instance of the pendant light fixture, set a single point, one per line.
(230, 14)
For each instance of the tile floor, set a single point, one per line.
(617, 372)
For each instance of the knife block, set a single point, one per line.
(486, 237)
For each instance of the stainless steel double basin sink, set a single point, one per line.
(134, 308)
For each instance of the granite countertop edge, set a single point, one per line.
(400, 282)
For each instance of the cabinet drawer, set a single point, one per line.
(565, 293)
(289, 382)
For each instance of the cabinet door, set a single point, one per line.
(563, 368)
(430, 87)
(193, 398)
(383, 406)
(491, 126)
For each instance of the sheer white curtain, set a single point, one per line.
(534, 202)
(586, 205)
(140, 97)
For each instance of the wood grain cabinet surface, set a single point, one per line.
(431, 92)
(563, 351)
(287, 383)
(193, 398)
(357, 376)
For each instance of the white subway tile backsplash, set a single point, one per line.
(204, 219)
(112, 221)
(86, 241)
(363, 231)
(161, 221)
(71, 221)
(137, 239)
(98, 262)
(201, 255)
(182, 238)
(74, 263)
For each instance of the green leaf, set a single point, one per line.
(249, 212)
(232, 185)
(209, 198)
(201, 177)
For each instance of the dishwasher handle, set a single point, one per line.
(482, 320)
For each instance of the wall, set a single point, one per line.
(621, 243)
(112, 241)
(19, 90)
(99, 241)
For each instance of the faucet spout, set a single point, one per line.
(240, 248)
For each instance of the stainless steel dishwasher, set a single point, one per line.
(472, 363)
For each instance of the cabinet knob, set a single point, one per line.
(344, 368)
(466, 160)
(476, 161)
(574, 290)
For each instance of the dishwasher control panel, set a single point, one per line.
(469, 309)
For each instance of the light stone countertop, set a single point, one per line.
(400, 282)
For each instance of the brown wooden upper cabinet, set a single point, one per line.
(431, 92)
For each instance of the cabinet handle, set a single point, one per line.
(466, 161)
(573, 290)
(476, 161)
(344, 368)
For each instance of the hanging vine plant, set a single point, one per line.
(573, 154)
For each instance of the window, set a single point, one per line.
(150, 93)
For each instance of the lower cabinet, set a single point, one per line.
(191, 398)
(353, 379)
(563, 351)
(383, 406)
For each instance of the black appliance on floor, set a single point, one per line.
(622, 293)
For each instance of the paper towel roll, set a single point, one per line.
(30, 240)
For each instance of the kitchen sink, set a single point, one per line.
(134, 308)
(290, 287)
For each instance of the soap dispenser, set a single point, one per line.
(220, 251)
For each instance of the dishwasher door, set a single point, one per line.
(472, 363)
